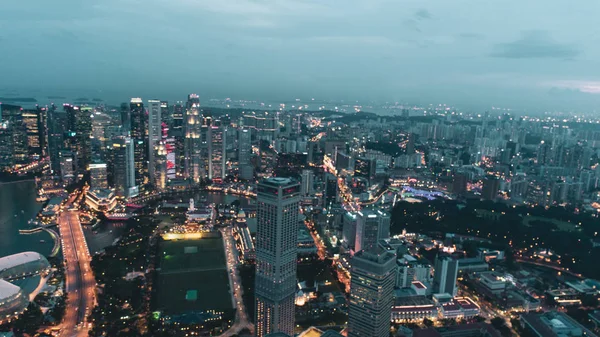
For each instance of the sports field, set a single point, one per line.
(193, 277)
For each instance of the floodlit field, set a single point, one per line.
(193, 276)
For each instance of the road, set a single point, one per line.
(241, 316)
(80, 282)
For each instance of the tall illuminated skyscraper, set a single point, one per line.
(123, 166)
(246, 171)
(98, 175)
(277, 230)
(192, 144)
(308, 180)
(373, 276)
(154, 133)
(139, 136)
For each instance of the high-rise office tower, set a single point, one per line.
(371, 226)
(331, 189)
(445, 275)
(177, 134)
(125, 117)
(165, 113)
(67, 167)
(139, 136)
(246, 171)
(123, 166)
(192, 145)
(14, 136)
(491, 186)
(308, 181)
(459, 184)
(98, 177)
(206, 147)
(35, 128)
(277, 230)
(217, 151)
(365, 168)
(373, 276)
(160, 172)
(410, 143)
(154, 133)
(83, 134)
(56, 125)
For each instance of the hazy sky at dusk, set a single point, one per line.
(474, 53)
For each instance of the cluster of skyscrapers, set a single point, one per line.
(143, 145)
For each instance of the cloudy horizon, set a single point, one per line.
(536, 55)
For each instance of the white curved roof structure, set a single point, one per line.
(8, 289)
(13, 301)
(15, 260)
(12, 298)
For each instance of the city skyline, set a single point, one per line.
(378, 51)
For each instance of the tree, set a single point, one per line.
(427, 322)
(498, 322)
(479, 319)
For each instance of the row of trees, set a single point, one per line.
(506, 227)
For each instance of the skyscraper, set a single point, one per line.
(98, 177)
(308, 180)
(193, 123)
(491, 186)
(160, 160)
(217, 151)
(139, 134)
(445, 275)
(206, 147)
(277, 229)
(371, 226)
(177, 134)
(15, 150)
(123, 166)
(57, 127)
(67, 172)
(246, 171)
(373, 276)
(154, 133)
(35, 128)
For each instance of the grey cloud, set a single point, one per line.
(422, 14)
(535, 44)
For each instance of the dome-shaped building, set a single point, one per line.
(12, 301)
(22, 265)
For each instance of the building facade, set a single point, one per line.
(373, 276)
(276, 252)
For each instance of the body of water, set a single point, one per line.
(17, 207)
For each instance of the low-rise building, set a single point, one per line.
(100, 199)
(493, 282)
(554, 324)
(413, 309)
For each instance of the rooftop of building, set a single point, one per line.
(15, 260)
(485, 330)
(277, 181)
(412, 301)
(8, 289)
(554, 323)
(101, 193)
(492, 277)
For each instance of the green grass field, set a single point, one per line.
(195, 269)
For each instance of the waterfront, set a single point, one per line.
(17, 206)
(107, 233)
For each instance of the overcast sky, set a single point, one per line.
(535, 54)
